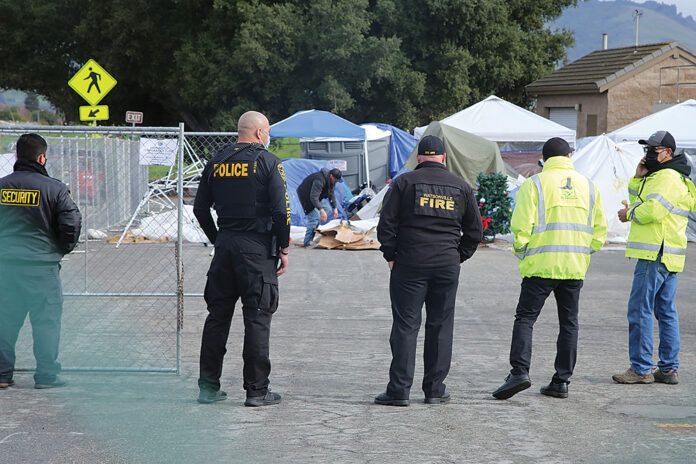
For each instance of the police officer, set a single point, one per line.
(429, 225)
(246, 185)
(314, 188)
(39, 224)
(558, 222)
(661, 196)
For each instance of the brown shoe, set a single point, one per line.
(631, 376)
(669, 377)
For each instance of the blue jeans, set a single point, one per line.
(313, 219)
(654, 290)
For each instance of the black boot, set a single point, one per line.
(387, 400)
(211, 396)
(513, 385)
(268, 399)
(557, 390)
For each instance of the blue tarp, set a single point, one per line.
(296, 170)
(316, 123)
(400, 148)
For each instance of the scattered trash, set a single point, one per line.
(95, 234)
(131, 238)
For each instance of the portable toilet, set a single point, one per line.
(346, 154)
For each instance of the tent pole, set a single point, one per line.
(367, 163)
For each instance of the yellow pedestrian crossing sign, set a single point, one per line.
(92, 82)
(94, 113)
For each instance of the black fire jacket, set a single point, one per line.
(429, 218)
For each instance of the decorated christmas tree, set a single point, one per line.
(494, 204)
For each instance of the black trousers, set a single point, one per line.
(533, 294)
(409, 288)
(34, 290)
(242, 268)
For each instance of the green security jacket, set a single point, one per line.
(558, 222)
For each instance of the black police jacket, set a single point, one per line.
(429, 218)
(314, 188)
(246, 186)
(39, 221)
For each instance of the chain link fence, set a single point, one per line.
(123, 284)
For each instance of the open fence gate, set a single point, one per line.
(123, 306)
(123, 285)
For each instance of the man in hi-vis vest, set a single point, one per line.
(558, 222)
(661, 196)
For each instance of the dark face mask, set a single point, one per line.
(651, 162)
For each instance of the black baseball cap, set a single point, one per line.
(337, 174)
(660, 138)
(430, 146)
(555, 146)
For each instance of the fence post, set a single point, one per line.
(179, 247)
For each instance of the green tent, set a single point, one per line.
(467, 154)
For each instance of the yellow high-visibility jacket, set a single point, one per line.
(558, 222)
(659, 213)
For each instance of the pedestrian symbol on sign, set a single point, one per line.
(95, 76)
(92, 82)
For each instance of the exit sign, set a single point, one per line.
(135, 117)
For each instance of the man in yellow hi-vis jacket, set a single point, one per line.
(661, 196)
(558, 222)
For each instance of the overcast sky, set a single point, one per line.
(685, 7)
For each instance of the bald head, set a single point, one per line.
(253, 127)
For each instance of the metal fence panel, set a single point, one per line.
(123, 286)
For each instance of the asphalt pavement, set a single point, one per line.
(330, 355)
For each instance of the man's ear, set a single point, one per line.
(41, 159)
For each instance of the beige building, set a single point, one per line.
(610, 88)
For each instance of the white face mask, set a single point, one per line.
(268, 140)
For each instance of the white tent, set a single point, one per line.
(371, 133)
(679, 120)
(610, 166)
(501, 121)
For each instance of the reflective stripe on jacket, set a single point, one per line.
(558, 222)
(659, 213)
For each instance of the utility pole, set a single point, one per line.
(638, 14)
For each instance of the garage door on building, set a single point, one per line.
(567, 117)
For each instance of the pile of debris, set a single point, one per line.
(346, 237)
(131, 238)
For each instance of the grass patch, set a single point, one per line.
(285, 148)
(155, 172)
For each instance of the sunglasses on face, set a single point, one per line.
(657, 149)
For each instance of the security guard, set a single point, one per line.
(39, 224)
(558, 222)
(429, 225)
(246, 185)
(661, 196)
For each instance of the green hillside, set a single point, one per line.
(659, 23)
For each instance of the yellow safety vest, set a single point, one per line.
(659, 213)
(558, 222)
